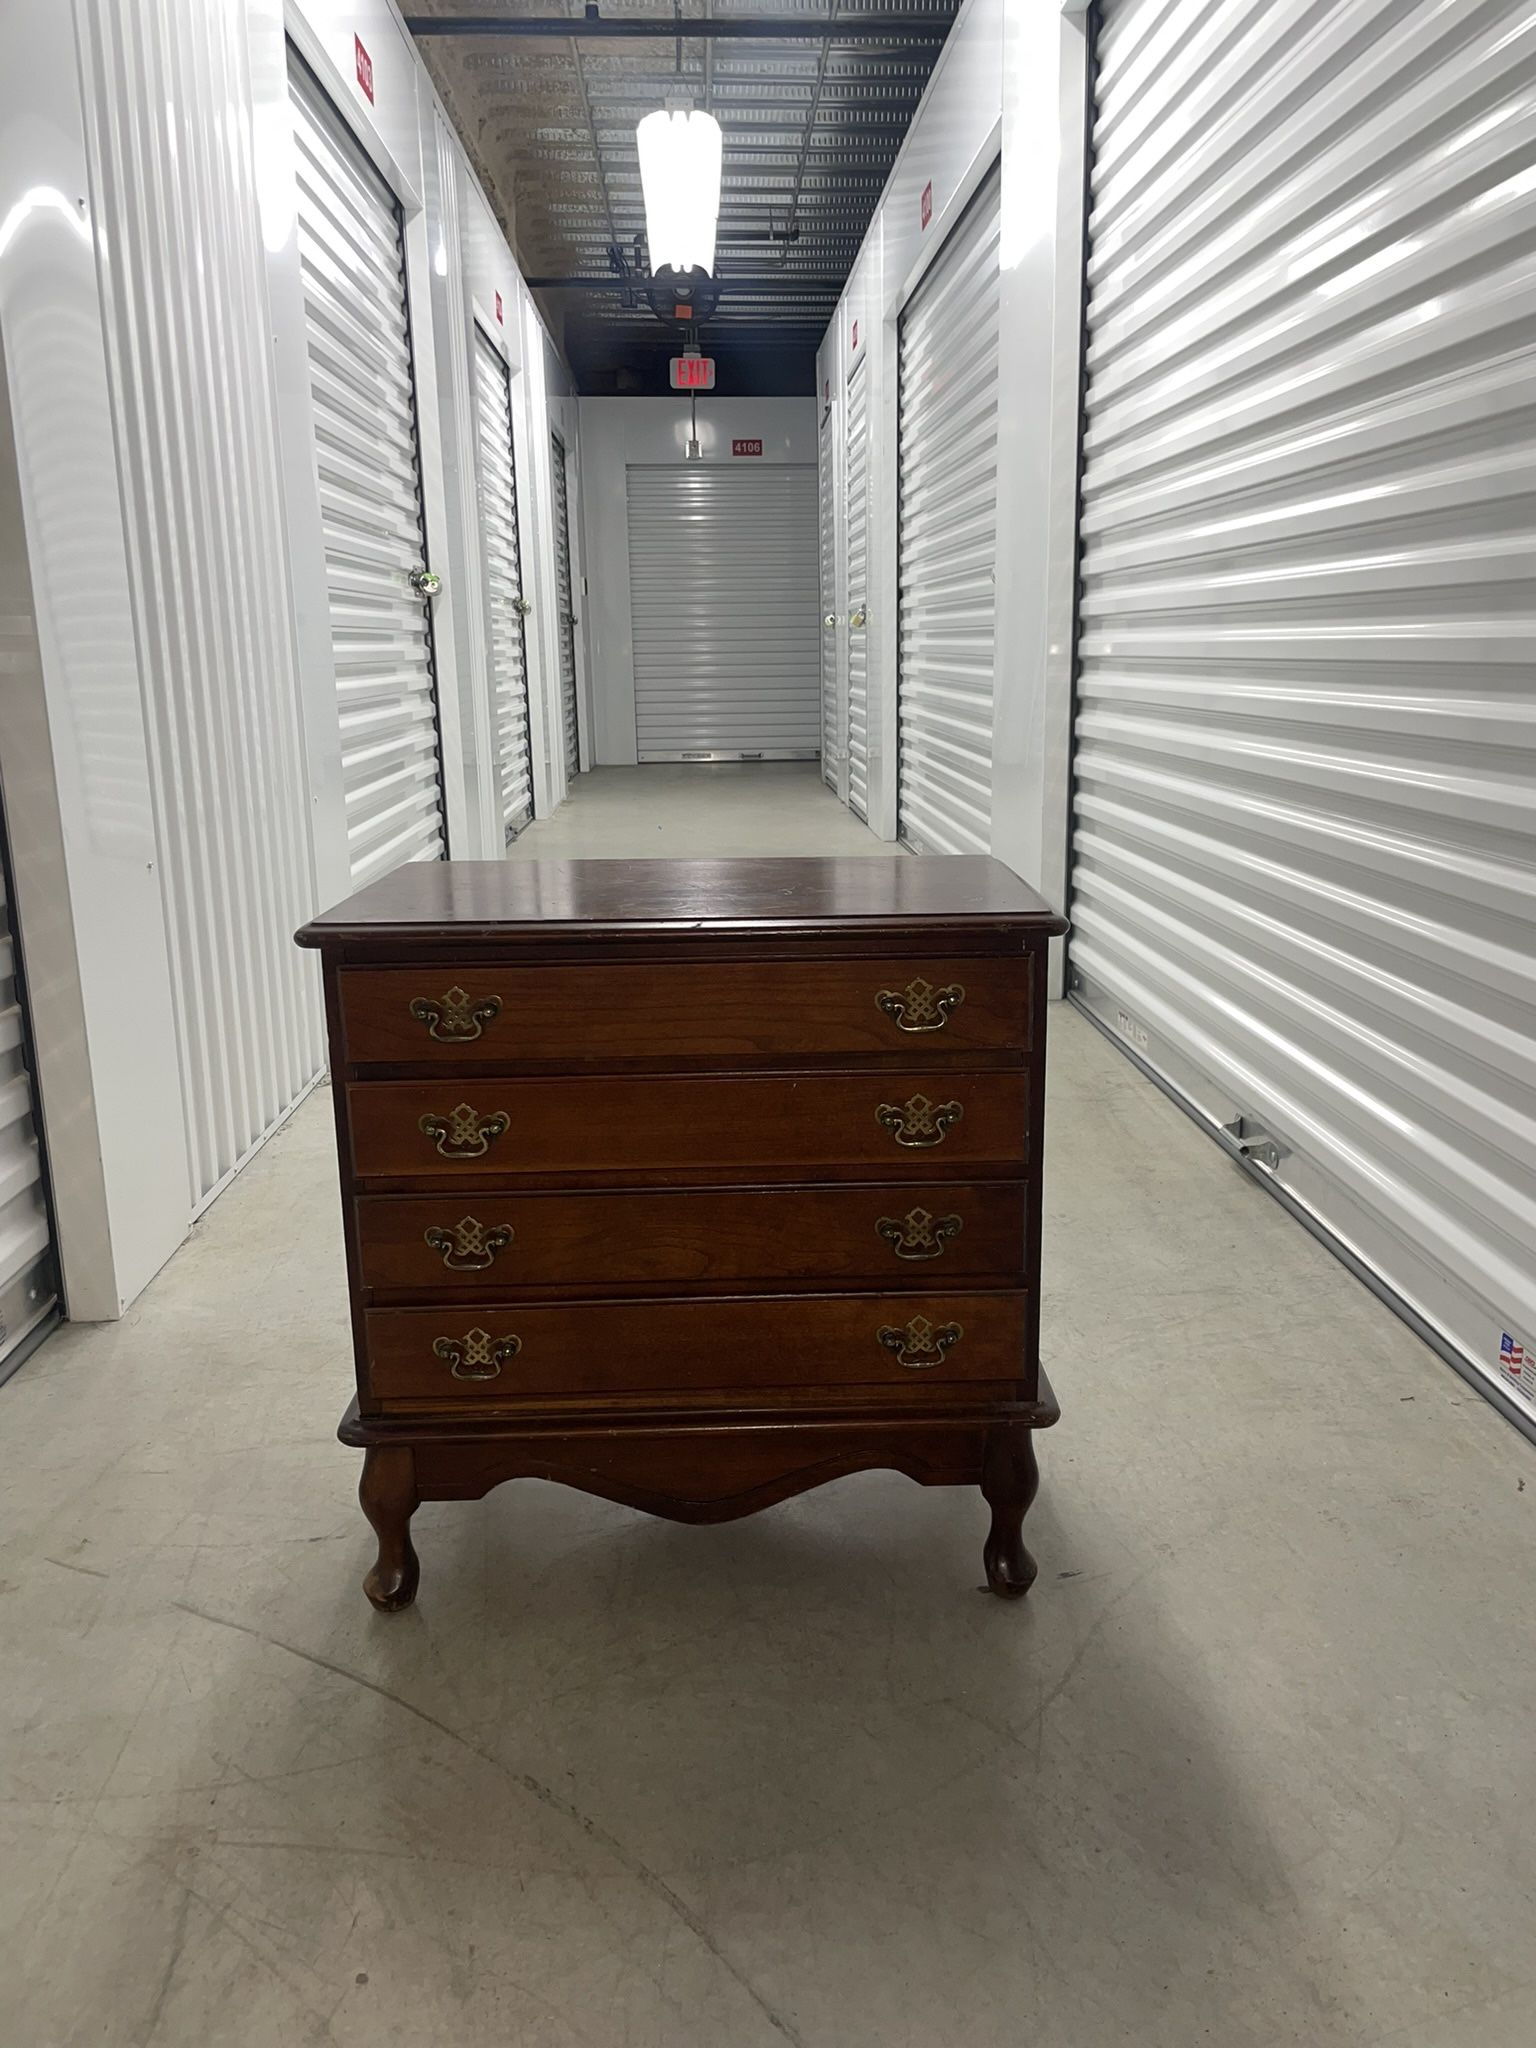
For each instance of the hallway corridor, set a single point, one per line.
(717, 810)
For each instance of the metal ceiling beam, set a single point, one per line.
(785, 28)
(770, 281)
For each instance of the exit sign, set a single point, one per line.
(693, 373)
(364, 65)
(746, 447)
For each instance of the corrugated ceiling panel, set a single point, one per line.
(1305, 854)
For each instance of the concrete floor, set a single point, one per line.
(1252, 1766)
(666, 812)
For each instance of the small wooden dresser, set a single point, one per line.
(691, 1183)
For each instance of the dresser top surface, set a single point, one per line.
(604, 898)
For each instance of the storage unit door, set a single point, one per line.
(723, 599)
(948, 542)
(497, 482)
(856, 473)
(352, 254)
(565, 602)
(1304, 876)
(29, 1286)
(831, 709)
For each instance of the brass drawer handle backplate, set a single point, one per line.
(920, 1006)
(469, 1246)
(464, 1133)
(477, 1355)
(918, 1122)
(455, 1017)
(920, 1344)
(918, 1235)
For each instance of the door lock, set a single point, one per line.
(524, 605)
(856, 619)
(426, 582)
(830, 619)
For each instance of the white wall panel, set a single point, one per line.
(1306, 761)
(73, 749)
(186, 318)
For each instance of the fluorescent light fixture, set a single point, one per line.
(680, 177)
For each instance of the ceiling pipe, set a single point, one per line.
(786, 28)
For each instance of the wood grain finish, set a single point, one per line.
(505, 1129)
(498, 1352)
(716, 1238)
(457, 1014)
(692, 1184)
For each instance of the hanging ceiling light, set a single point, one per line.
(680, 178)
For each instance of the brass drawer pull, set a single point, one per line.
(918, 1235)
(918, 1122)
(468, 1246)
(464, 1133)
(920, 1344)
(920, 1006)
(456, 1017)
(477, 1355)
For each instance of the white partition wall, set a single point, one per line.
(236, 341)
(1306, 794)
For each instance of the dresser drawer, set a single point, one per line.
(460, 1015)
(885, 1236)
(495, 1128)
(489, 1352)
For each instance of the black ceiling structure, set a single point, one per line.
(813, 101)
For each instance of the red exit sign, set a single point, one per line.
(746, 447)
(364, 68)
(693, 373)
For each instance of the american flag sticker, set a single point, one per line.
(1517, 1368)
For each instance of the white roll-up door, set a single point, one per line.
(856, 483)
(723, 600)
(1305, 845)
(948, 541)
(29, 1288)
(831, 706)
(565, 602)
(497, 481)
(352, 254)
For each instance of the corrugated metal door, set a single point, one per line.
(948, 542)
(856, 474)
(363, 395)
(1304, 877)
(723, 597)
(497, 490)
(565, 601)
(29, 1284)
(831, 705)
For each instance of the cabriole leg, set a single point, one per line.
(1009, 1480)
(389, 1498)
